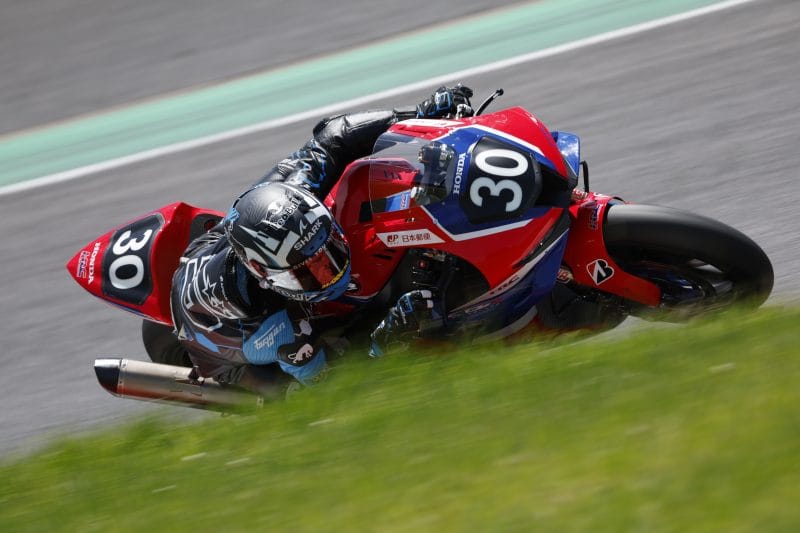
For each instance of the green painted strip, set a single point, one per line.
(463, 44)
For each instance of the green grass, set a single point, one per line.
(692, 428)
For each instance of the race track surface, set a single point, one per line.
(703, 115)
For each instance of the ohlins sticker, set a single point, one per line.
(600, 271)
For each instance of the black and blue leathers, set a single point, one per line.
(222, 317)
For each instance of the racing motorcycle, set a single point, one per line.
(485, 210)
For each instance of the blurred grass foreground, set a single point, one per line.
(668, 429)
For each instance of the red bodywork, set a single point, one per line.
(116, 266)
(109, 266)
(374, 259)
(586, 247)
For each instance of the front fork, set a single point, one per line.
(586, 260)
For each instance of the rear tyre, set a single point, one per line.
(699, 263)
(163, 346)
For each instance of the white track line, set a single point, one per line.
(356, 102)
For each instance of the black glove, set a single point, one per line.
(447, 101)
(403, 322)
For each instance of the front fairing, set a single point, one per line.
(480, 183)
(492, 198)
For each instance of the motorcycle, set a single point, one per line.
(486, 211)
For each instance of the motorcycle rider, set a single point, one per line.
(241, 295)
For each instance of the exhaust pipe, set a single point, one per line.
(142, 380)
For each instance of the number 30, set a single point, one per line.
(496, 188)
(123, 245)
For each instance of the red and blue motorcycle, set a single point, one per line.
(487, 211)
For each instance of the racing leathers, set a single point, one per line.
(229, 325)
(225, 321)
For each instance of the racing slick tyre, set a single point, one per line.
(699, 263)
(163, 346)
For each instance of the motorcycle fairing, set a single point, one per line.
(131, 266)
(410, 205)
(455, 211)
(510, 306)
(589, 261)
(514, 122)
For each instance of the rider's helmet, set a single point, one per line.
(290, 242)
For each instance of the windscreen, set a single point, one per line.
(482, 176)
(408, 171)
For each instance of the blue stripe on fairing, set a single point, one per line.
(507, 307)
(448, 212)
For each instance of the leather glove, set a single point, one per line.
(402, 323)
(447, 101)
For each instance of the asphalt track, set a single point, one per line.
(702, 115)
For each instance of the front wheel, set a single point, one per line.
(699, 264)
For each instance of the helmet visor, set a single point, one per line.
(317, 273)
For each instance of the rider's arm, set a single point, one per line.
(341, 139)
(337, 141)
(414, 317)
(291, 344)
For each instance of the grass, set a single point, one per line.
(692, 428)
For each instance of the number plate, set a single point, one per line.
(127, 272)
(503, 182)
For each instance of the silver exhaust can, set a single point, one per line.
(143, 380)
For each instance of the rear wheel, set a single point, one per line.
(163, 346)
(699, 264)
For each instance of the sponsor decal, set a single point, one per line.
(600, 271)
(400, 201)
(83, 262)
(305, 327)
(480, 307)
(507, 284)
(502, 182)
(594, 218)
(93, 260)
(312, 232)
(578, 196)
(302, 355)
(459, 173)
(268, 339)
(278, 213)
(409, 238)
(564, 275)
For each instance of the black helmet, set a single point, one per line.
(289, 241)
